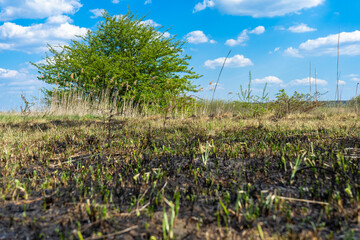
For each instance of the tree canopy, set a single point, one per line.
(126, 56)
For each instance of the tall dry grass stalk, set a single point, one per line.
(78, 103)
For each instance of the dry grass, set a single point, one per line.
(84, 175)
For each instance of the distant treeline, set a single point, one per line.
(333, 103)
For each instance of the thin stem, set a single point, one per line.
(217, 82)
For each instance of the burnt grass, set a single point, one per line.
(211, 178)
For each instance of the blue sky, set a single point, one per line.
(275, 40)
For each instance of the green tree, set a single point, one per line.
(124, 55)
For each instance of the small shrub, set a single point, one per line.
(298, 102)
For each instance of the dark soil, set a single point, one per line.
(93, 181)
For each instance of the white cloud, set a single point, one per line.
(97, 12)
(166, 34)
(258, 8)
(36, 9)
(350, 50)
(275, 50)
(341, 82)
(232, 42)
(240, 39)
(115, 1)
(349, 45)
(234, 62)
(148, 2)
(243, 36)
(258, 30)
(301, 28)
(305, 82)
(21, 80)
(6, 46)
(293, 52)
(197, 37)
(202, 5)
(354, 77)
(58, 19)
(25, 83)
(151, 23)
(55, 31)
(269, 80)
(345, 37)
(7, 73)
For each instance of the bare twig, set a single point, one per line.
(113, 234)
(302, 200)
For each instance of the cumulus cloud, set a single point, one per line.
(243, 36)
(341, 82)
(154, 24)
(36, 9)
(301, 28)
(305, 82)
(349, 45)
(268, 80)
(293, 52)
(350, 50)
(258, 8)
(148, 2)
(7, 73)
(197, 37)
(115, 1)
(97, 12)
(345, 37)
(258, 30)
(234, 62)
(55, 31)
(151, 23)
(59, 19)
(202, 5)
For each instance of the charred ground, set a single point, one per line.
(204, 178)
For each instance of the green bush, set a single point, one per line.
(355, 103)
(124, 56)
(285, 104)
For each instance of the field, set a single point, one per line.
(191, 177)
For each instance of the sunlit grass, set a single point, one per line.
(211, 175)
